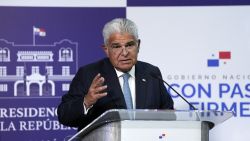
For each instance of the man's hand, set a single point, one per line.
(96, 91)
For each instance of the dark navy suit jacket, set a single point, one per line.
(150, 93)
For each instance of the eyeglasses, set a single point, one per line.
(128, 46)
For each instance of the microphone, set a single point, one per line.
(159, 78)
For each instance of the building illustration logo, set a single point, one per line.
(37, 70)
(219, 59)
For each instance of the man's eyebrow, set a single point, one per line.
(130, 42)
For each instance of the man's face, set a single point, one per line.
(122, 50)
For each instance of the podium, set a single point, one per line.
(152, 125)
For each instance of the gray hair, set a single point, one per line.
(119, 25)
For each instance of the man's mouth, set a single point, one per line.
(125, 61)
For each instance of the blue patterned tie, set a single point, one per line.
(126, 91)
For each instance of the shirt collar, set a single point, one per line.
(131, 72)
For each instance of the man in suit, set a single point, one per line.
(116, 82)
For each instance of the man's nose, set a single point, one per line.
(124, 51)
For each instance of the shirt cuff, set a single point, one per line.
(86, 109)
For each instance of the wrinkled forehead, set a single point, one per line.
(121, 38)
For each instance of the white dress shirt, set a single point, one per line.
(131, 82)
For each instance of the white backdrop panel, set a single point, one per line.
(180, 40)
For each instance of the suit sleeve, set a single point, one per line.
(71, 111)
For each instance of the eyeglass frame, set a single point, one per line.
(127, 45)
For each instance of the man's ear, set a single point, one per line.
(139, 43)
(105, 48)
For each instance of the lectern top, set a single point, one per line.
(214, 117)
(115, 115)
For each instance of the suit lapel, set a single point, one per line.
(141, 86)
(114, 89)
